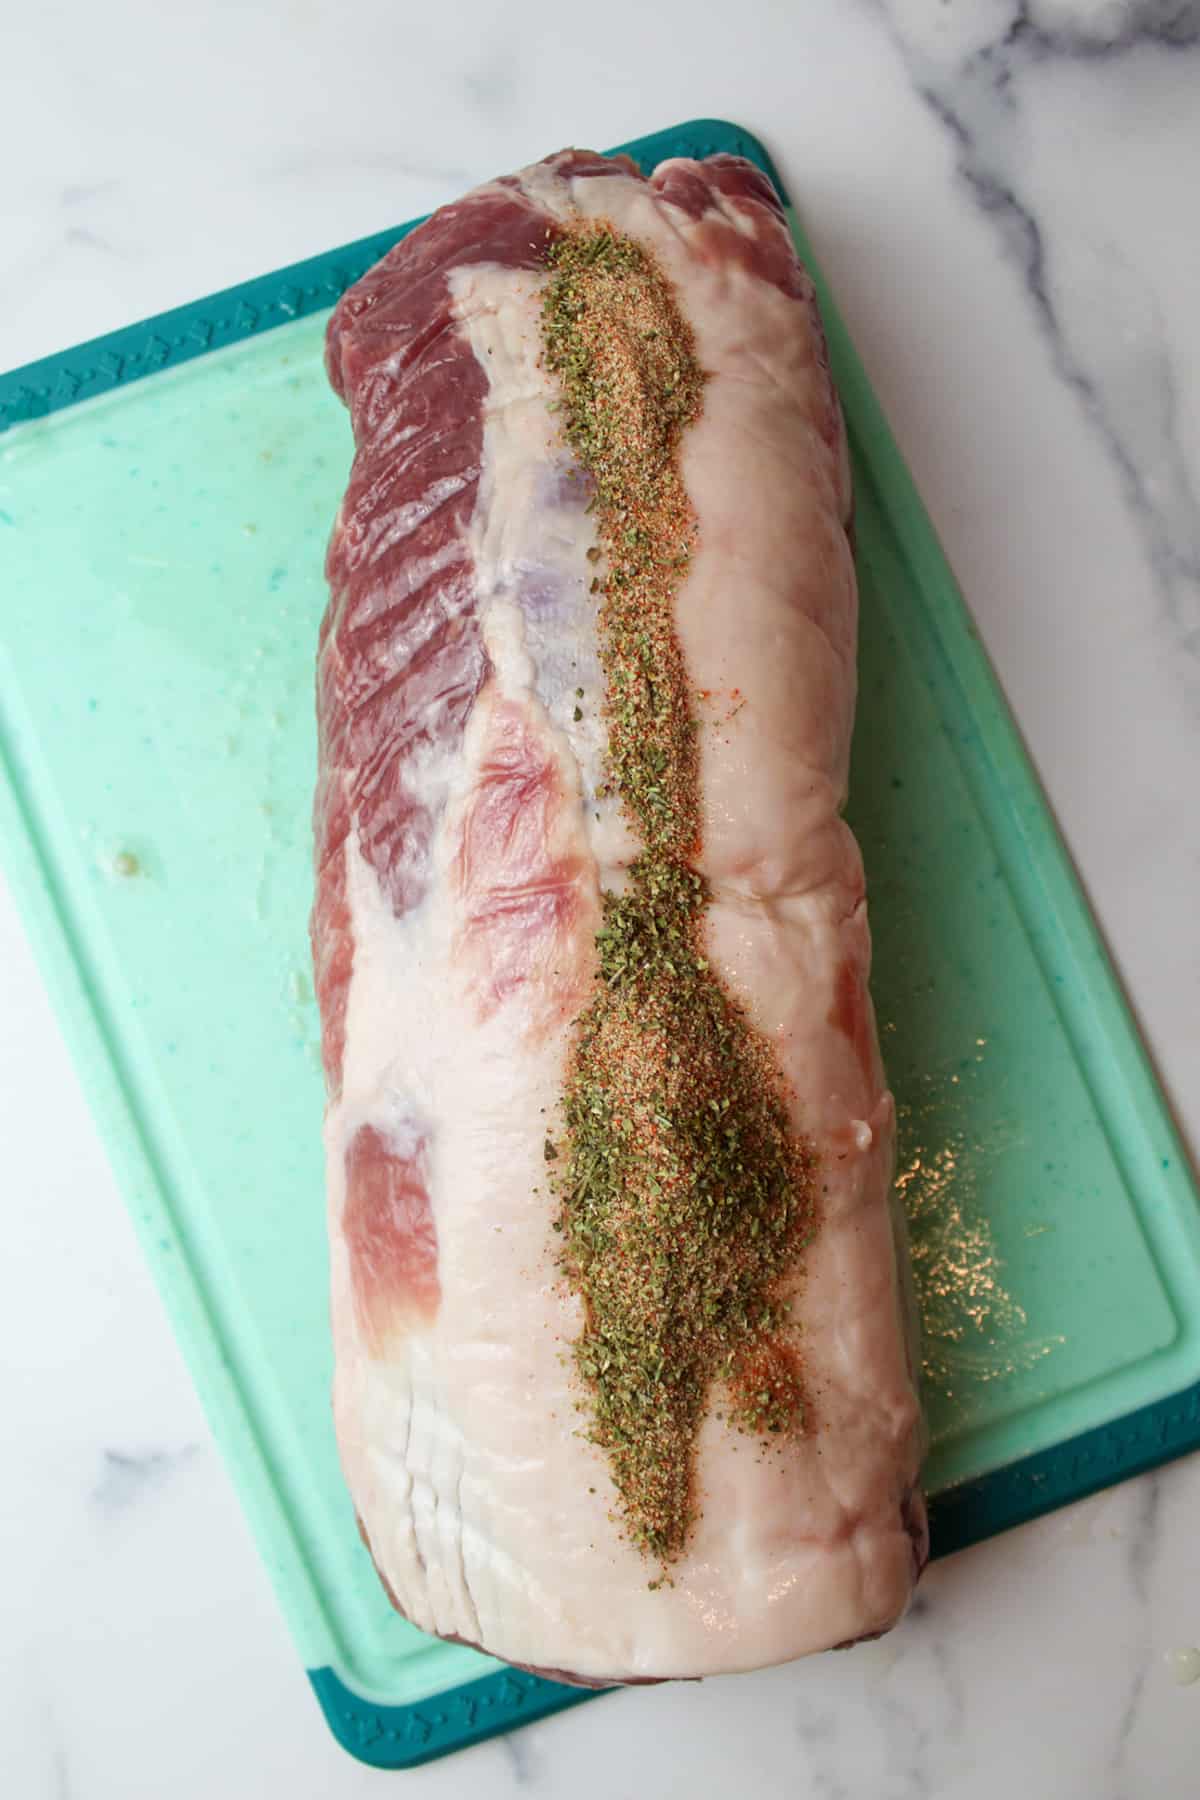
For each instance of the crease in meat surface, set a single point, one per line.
(464, 838)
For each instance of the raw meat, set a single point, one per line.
(465, 834)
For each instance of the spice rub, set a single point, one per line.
(684, 1195)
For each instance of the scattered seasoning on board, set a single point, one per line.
(684, 1197)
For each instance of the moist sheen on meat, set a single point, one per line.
(465, 834)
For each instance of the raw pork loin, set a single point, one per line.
(467, 830)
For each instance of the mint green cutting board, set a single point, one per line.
(162, 533)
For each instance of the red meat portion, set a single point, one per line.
(400, 658)
(851, 1014)
(389, 1233)
(741, 190)
(521, 900)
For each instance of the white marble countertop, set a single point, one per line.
(1003, 196)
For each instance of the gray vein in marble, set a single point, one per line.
(519, 1757)
(89, 240)
(64, 240)
(1144, 1542)
(490, 85)
(818, 1732)
(1125, 1724)
(1080, 28)
(910, 1743)
(1128, 395)
(324, 161)
(81, 193)
(125, 1476)
(1143, 1545)
(61, 1770)
(908, 1737)
(949, 1670)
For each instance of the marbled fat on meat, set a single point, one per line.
(465, 835)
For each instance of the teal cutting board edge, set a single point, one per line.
(139, 722)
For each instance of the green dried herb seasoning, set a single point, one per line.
(684, 1195)
(630, 382)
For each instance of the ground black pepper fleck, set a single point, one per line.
(684, 1198)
